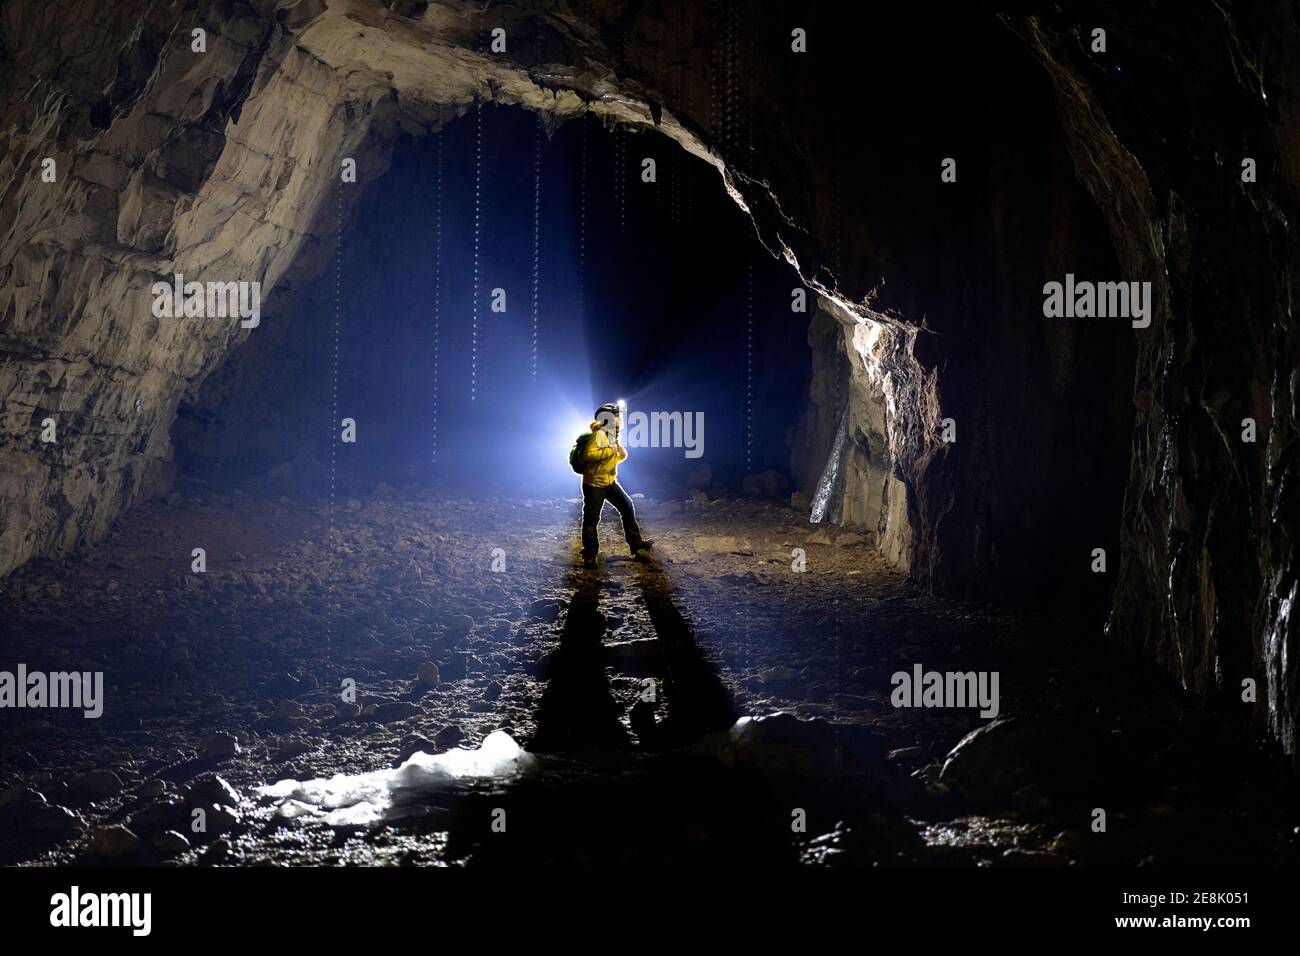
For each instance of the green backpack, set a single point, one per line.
(578, 453)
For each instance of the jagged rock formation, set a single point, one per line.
(1070, 435)
(1209, 531)
(852, 375)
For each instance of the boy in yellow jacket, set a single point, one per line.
(600, 484)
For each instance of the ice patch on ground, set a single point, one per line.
(360, 799)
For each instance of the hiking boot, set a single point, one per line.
(588, 562)
(645, 544)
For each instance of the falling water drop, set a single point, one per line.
(620, 176)
(582, 215)
(334, 382)
(690, 192)
(338, 319)
(749, 365)
(729, 82)
(437, 283)
(715, 90)
(478, 194)
(537, 242)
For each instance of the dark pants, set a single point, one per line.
(593, 501)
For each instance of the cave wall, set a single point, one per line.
(166, 162)
(1209, 563)
(849, 386)
(224, 165)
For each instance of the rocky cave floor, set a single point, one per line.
(221, 682)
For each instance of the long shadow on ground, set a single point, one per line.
(597, 799)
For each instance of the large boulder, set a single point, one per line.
(1067, 761)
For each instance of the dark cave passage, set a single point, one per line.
(933, 572)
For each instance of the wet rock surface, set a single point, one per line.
(690, 708)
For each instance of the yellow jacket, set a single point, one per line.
(601, 467)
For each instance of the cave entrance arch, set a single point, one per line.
(498, 280)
